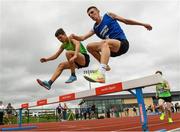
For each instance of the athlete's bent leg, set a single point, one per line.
(168, 111)
(161, 108)
(57, 73)
(95, 49)
(80, 60)
(62, 66)
(101, 51)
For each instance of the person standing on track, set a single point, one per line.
(164, 99)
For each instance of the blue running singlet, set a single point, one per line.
(109, 28)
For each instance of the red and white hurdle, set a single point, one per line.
(136, 84)
(112, 88)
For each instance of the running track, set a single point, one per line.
(111, 124)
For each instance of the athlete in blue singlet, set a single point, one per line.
(114, 42)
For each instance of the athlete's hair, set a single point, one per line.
(160, 72)
(60, 31)
(91, 8)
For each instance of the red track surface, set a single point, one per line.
(111, 124)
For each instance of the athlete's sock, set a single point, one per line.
(50, 82)
(73, 74)
(102, 68)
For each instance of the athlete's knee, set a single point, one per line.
(105, 43)
(69, 54)
(168, 106)
(61, 66)
(90, 48)
(161, 102)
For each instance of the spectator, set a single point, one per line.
(65, 111)
(77, 114)
(112, 112)
(85, 113)
(81, 113)
(134, 111)
(172, 108)
(89, 111)
(83, 110)
(126, 111)
(59, 111)
(116, 113)
(108, 113)
(156, 108)
(150, 109)
(177, 107)
(9, 111)
(93, 111)
(1, 112)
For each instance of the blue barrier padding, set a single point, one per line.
(19, 128)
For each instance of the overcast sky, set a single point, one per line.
(27, 34)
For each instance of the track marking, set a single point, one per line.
(175, 130)
(141, 126)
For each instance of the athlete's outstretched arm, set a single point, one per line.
(53, 57)
(83, 37)
(130, 22)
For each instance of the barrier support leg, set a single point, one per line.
(20, 117)
(142, 109)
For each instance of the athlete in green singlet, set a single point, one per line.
(76, 55)
(164, 99)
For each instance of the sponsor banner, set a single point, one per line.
(67, 97)
(42, 102)
(117, 87)
(26, 105)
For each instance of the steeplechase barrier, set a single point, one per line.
(136, 84)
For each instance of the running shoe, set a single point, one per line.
(162, 116)
(170, 120)
(71, 79)
(95, 76)
(44, 84)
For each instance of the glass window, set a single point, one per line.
(112, 101)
